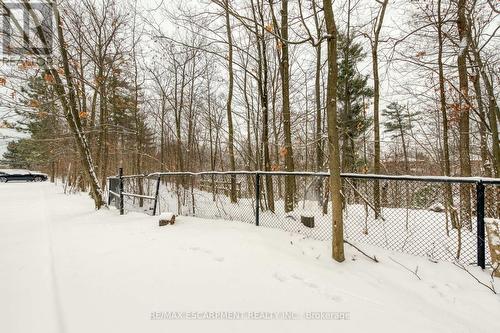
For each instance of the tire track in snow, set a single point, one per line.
(56, 299)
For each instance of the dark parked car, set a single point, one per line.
(22, 175)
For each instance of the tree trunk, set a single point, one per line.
(493, 109)
(232, 163)
(319, 111)
(285, 81)
(376, 106)
(464, 143)
(482, 130)
(333, 137)
(263, 93)
(442, 99)
(348, 155)
(70, 108)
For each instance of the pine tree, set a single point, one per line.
(40, 121)
(19, 154)
(352, 88)
(398, 123)
(127, 124)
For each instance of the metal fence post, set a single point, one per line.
(257, 198)
(109, 193)
(480, 225)
(120, 177)
(157, 192)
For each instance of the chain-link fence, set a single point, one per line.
(433, 217)
(114, 192)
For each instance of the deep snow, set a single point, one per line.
(66, 268)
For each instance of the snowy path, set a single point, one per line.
(66, 268)
(28, 286)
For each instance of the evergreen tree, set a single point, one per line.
(40, 121)
(398, 123)
(127, 124)
(352, 89)
(19, 154)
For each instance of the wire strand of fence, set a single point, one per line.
(438, 179)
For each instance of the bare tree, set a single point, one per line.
(374, 42)
(232, 163)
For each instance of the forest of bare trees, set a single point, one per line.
(382, 86)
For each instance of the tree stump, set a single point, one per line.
(167, 218)
(308, 221)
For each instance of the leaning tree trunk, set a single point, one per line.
(68, 100)
(493, 110)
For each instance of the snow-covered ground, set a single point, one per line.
(416, 230)
(66, 268)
